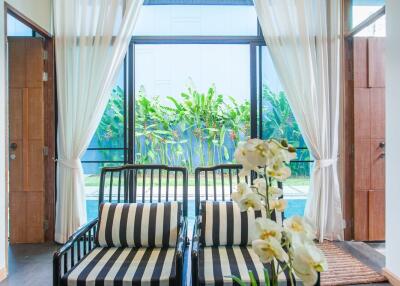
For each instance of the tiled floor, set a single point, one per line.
(31, 265)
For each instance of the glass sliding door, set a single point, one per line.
(108, 146)
(276, 120)
(192, 103)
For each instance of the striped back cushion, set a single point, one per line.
(139, 224)
(222, 223)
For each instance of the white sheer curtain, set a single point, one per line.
(303, 39)
(91, 38)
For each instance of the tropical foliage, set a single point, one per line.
(195, 128)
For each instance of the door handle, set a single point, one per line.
(382, 155)
(13, 146)
(382, 145)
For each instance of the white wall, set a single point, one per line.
(392, 137)
(40, 12)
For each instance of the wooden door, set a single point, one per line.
(369, 139)
(26, 135)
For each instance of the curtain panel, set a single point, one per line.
(91, 39)
(303, 37)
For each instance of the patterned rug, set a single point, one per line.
(344, 269)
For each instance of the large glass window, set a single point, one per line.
(196, 20)
(198, 80)
(192, 103)
(278, 121)
(108, 147)
(361, 10)
(16, 28)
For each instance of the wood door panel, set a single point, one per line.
(17, 66)
(17, 216)
(362, 165)
(35, 166)
(362, 108)
(15, 113)
(16, 167)
(377, 100)
(376, 62)
(369, 134)
(377, 165)
(360, 62)
(361, 215)
(35, 114)
(376, 218)
(26, 120)
(35, 65)
(35, 207)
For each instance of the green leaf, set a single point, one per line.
(237, 280)
(266, 275)
(253, 280)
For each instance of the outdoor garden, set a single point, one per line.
(193, 129)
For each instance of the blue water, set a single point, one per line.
(295, 207)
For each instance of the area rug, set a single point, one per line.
(344, 269)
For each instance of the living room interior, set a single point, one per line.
(199, 142)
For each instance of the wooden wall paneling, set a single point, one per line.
(377, 165)
(361, 215)
(17, 216)
(362, 109)
(376, 218)
(17, 72)
(362, 164)
(360, 55)
(376, 62)
(34, 211)
(377, 99)
(26, 122)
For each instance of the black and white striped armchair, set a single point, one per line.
(141, 233)
(221, 245)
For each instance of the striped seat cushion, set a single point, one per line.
(139, 224)
(216, 264)
(222, 223)
(124, 266)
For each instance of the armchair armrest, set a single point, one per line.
(78, 245)
(180, 250)
(196, 236)
(195, 249)
(182, 238)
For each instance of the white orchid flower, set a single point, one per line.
(279, 173)
(299, 229)
(252, 154)
(267, 228)
(241, 190)
(250, 200)
(279, 205)
(308, 260)
(260, 184)
(274, 192)
(269, 249)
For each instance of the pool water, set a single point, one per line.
(295, 207)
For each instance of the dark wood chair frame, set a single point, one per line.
(233, 178)
(82, 242)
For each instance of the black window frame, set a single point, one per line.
(255, 43)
